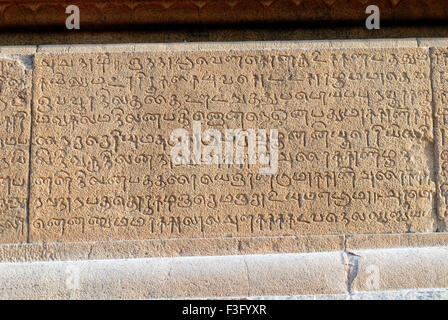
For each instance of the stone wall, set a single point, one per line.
(104, 13)
(86, 133)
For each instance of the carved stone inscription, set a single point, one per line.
(15, 121)
(439, 64)
(355, 143)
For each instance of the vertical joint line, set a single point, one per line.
(435, 128)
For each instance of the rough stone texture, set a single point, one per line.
(366, 117)
(15, 120)
(411, 294)
(169, 247)
(355, 140)
(381, 153)
(439, 80)
(412, 273)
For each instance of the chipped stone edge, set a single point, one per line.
(403, 294)
(316, 275)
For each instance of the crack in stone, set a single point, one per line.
(351, 264)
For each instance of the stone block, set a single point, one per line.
(400, 268)
(354, 152)
(15, 121)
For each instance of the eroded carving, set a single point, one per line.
(355, 143)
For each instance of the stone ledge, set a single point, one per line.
(175, 277)
(327, 275)
(105, 13)
(129, 249)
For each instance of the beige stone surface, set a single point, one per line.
(408, 273)
(222, 34)
(402, 268)
(15, 120)
(195, 277)
(355, 142)
(128, 249)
